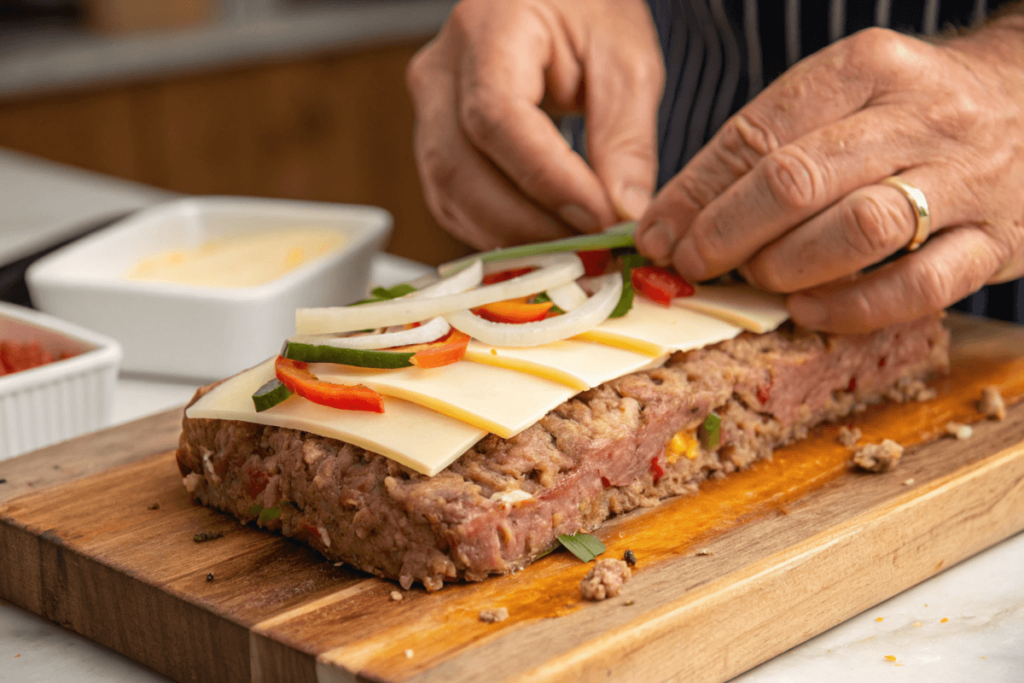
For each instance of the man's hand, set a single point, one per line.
(495, 169)
(788, 189)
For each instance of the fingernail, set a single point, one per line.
(578, 217)
(807, 311)
(656, 241)
(633, 202)
(687, 261)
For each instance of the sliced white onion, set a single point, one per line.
(462, 281)
(568, 297)
(586, 317)
(561, 268)
(427, 332)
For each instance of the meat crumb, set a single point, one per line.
(910, 482)
(396, 596)
(849, 436)
(878, 457)
(629, 557)
(154, 506)
(703, 552)
(605, 580)
(338, 564)
(960, 431)
(911, 389)
(493, 615)
(991, 404)
(204, 536)
(408, 654)
(209, 577)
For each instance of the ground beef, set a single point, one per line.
(960, 431)
(849, 436)
(603, 452)
(605, 580)
(991, 404)
(878, 457)
(493, 615)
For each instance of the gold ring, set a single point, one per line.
(919, 204)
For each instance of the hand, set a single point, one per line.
(787, 189)
(495, 169)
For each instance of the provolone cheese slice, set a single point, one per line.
(494, 399)
(416, 437)
(752, 309)
(575, 363)
(652, 327)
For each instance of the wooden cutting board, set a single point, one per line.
(753, 565)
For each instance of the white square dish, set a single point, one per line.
(204, 332)
(63, 399)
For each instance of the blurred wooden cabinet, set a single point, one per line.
(330, 128)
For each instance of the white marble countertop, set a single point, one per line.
(982, 598)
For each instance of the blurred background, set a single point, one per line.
(299, 99)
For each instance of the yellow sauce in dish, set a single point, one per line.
(240, 260)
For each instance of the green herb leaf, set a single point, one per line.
(269, 515)
(543, 298)
(386, 293)
(583, 546)
(255, 509)
(710, 432)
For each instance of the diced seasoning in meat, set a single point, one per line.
(605, 580)
(629, 557)
(493, 615)
(396, 596)
(960, 431)
(878, 457)
(204, 536)
(849, 436)
(991, 404)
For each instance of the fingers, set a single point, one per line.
(501, 81)
(470, 197)
(794, 183)
(817, 92)
(861, 229)
(948, 267)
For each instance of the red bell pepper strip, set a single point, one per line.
(506, 275)
(515, 311)
(595, 262)
(660, 284)
(447, 350)
(296, 376)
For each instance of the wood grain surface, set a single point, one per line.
(793, 547)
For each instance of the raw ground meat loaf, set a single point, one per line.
(603, 452)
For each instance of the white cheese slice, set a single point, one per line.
(498, 400)
(652, 327)
(575, 363)
(416, 437)
(740, 304)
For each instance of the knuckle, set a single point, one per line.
(932, 284)
(794, 179)
(481, 113)
(871, 228)
(743, 142)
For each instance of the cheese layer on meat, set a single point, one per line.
(432, 416)
(416, 437)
